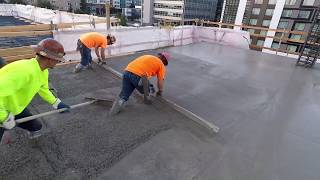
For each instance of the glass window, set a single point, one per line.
(296, 37)
(283, 24)
(290, 2)
(292, 48)
(308, 2)
(251, 31)
(256, 11)
(278, 34)
(258, 1)
(286, 13)
(304, 14)
(272, 2)
(275, 45)
(263, 32)
(253, 21)
(299, 26)
(265, 22)
(260, 42)
(269, 12)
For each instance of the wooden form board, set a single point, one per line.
(12, 54)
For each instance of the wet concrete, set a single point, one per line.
(86, 142)
(266, 107)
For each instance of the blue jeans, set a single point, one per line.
(85, 53)
(33, 125)
(130, 82)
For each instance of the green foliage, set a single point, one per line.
(83, 8)
(17, 2)
(44, 4)
(123, 19)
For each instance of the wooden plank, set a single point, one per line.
(19, 57)
(24, 33)
(15, 49)
(39, 27)
(14, 53)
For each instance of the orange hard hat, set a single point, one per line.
(50, 48)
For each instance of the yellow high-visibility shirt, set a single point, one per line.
(19, 83)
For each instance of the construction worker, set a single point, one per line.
(136, 76)
(92, 40)
(21, 80)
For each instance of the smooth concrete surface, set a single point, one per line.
(86, 142)
(267, 108)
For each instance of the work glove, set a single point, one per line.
(60, 105)
(159, 93)
(9, 123)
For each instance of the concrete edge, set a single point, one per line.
(199, 120)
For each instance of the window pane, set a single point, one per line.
(290, 2)
(304, 14)
(272, 2)
(299, 26)
(308, 2)
(296, 37)
(253, 21)
(291, 48)
(258, 1)
(278, 34)
(286, 13)
(275, 45)
(260, 42)
(262, 32)
(269, 12)
(256, 11)
(283, 24)
(265, 22)
(251, 31)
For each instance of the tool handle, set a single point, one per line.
(52, 112)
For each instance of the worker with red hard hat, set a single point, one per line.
(21, 80)
(136, 76)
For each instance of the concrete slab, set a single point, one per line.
(266, 107)
(86, 142)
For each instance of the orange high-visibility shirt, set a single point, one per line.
(94, 39)
(147, 65)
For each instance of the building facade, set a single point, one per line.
(63, 5)
(178, 10)
(290, 15)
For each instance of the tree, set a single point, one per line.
(17, 2)
(70, 8)
(123, 20)
(44, 4)
(2, 1)
(83, 7)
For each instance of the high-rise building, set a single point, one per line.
(230, 11)
(64, 5)
(290, 15)
(177, 10)
(97, 7)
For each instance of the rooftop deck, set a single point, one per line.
(266, 107)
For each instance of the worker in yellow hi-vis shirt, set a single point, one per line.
(21, 80)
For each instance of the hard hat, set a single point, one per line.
(50, 48)
(166, 55)
(111, 38)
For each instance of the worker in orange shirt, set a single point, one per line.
(140, 70)
(92, 40)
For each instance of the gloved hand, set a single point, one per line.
(9, 123)
(159, 93)
(60, 105)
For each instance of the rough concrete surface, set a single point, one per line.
(86, 142)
